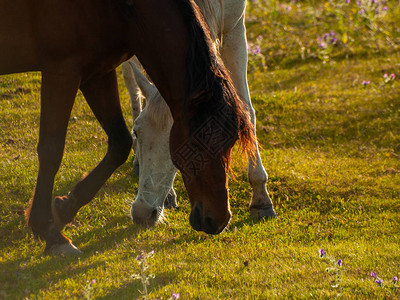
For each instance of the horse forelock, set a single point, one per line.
(207, 73)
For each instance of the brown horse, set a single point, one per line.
(78, 44)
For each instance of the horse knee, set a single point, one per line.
(50, 155)
(120, 147)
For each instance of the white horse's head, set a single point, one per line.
(151, 131)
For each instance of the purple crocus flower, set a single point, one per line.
(379, 281)
(256, 50)
(340, 262)
(175, 295)
(394, 279)
(373, 275)
(322, 252)
(139, 257)
(365, 82)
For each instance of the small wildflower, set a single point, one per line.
(379, 281)
(93, 281)
(175, 295)
(373, 275)
(365, 82)
(139, 257)
(322, 253)
(389, 78)
(339, 262)
(395, 279)
(256, 50)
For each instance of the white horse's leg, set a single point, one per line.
(234, 55)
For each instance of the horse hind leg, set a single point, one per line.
(101, 93)
(234, 54)
(57, 98)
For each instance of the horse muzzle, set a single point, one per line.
(207, 223)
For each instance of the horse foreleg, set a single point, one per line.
(57, 98)
(101, 93)
(234, 54)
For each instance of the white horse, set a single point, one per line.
(152, 125)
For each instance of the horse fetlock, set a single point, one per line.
(64, 210)
(37, 223)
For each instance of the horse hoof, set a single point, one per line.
(170, 200)
(262, 213)
(67, 249)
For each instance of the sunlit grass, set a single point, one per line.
(330, 144)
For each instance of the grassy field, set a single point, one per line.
(329, 128)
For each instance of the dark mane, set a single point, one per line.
(210, 93)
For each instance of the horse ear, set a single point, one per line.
(144, 84)
(201, 97)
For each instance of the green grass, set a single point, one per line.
(331, 147)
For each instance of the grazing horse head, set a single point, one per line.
(201, 140)
(151, 134)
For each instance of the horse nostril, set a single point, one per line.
(195, 218)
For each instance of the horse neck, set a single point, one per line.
(163, 47)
